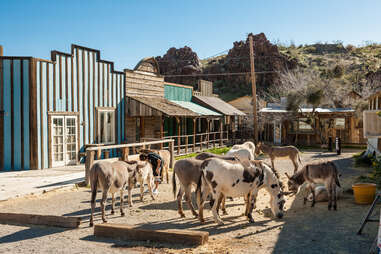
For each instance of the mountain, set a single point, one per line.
(353, 66)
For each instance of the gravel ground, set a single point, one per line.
(302, 230)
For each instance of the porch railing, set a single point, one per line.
(185, 144)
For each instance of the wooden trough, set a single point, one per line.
(35, 219)
(126, 232)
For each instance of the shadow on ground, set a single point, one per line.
(317, 230)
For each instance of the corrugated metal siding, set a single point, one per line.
(196, 108)
(177, 93)
(15, 85)
(93, 86)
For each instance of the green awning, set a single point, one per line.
(196, 108)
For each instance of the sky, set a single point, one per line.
(129, 30)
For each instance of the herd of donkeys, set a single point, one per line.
(217, 177)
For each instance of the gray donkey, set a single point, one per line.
(314, 173)
(188, 172)
(109, 177)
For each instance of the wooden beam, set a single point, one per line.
(47, 220)
(128, 233)
(178, 134)
(171, 150)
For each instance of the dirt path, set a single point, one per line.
(302, 230)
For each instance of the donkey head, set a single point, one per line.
(293, 185)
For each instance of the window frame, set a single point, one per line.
(100, 110)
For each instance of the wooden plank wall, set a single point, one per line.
(77, 82)
(143, 84)
(14, 107)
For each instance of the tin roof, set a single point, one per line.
(196, 108)
(218, 105)
(147, 106)
(307, 110)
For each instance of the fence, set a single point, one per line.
(91, 151)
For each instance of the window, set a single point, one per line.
(339, 123)
(106, 125)
(304, 125)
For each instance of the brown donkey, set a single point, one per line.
(280, 152)
(109, 177)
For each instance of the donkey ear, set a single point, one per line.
(287, 175)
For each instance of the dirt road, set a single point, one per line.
(302, 230)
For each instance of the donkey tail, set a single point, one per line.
(93, 184)
(174, 187)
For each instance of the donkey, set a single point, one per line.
(325, 173)
(110, 177)
(271, 183)
(280, 152)
(166, 156)
(246, 151)
(188, 171)
(222, 178)
(143, 173)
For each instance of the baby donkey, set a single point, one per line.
(314, 173)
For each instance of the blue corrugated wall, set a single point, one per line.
(15, 98)
(177, 93)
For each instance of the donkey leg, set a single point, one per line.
(93, 198)
(166, 172)
(112, 203)
(141, 189)
(130, 195)
(329, 192)
(180, 202)
(201, 198)
(217, 218)
(150, 187)
(104, 197)
(295, 164)
(250, 208)
(121, 201)
(188, 198)
(334, 194)
(272, 162)
(247, 205)
(223, 207)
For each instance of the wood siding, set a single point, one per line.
(77, 82)
(143, 84)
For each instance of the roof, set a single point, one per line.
(218, 105)
(307, 110)
(152, 105)
(196, 108)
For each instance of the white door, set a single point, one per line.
(64, 140)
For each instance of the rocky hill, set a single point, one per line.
(353, 66)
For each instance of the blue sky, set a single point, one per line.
(126, 31)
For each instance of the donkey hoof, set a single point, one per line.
(112, 212)
(104, 221)
(91, 224)
(195, 215)
(224, 212)
(220, 223)
(202, 221)
(182, 215)
(335, 208)
(329, 208)
(122, 214)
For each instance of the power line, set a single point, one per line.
(218, 74)
(228, 58)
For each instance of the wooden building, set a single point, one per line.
(283, 127)
(52, 109)
(372, 123)
(233, 117)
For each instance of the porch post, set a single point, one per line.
(161, 130)
(207, 141)
(178, 134)
(221, 132)
(194, 133)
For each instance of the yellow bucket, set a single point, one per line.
(364, 193)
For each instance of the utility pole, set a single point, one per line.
(253, 89)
